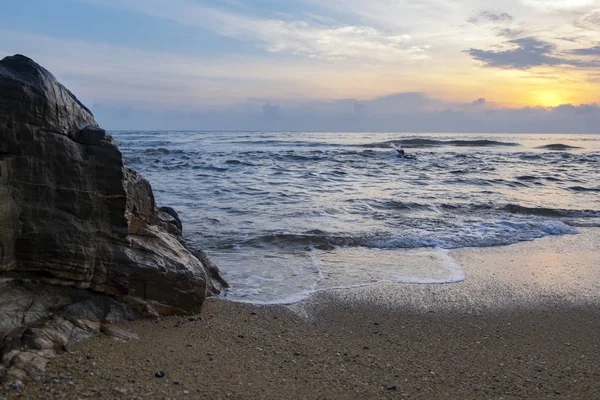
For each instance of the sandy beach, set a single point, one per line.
(523, 325)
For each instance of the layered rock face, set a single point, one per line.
(80, 232)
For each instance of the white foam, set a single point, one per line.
(477, 233)
(295, 277)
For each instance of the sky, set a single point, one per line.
(320, 65)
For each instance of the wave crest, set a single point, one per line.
(427, 143)
(558, 147)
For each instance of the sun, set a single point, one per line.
(548, 99)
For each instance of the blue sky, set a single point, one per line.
(405, 65)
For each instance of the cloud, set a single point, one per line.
(314, 49)
(592, 51)
(526, 53)
(102, 72)
(307, 37)
(408, 101)
(488, 16)
(98, 71)
(572, 39)
(394, 113)
(334, 43)
(499, 22)
(589, 20)
(559, 4)
(510, 32)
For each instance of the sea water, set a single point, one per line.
(285, 214)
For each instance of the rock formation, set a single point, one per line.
(82, 243)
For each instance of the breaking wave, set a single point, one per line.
(558, 147)
(426, 143)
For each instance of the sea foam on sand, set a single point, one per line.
(268, 278)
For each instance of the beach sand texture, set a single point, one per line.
(523, 325)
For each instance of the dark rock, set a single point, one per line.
(169, 224)
(159, 374)
(170, 211)
(91, 135)
(216, 282)
(392, 388)
(82, 242)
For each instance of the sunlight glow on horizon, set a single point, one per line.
(549, 99)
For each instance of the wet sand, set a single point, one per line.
(525, 324)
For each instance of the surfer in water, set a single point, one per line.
(402, 153)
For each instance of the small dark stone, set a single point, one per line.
(159, 374)
(376, 323)
(16, 385)
(392, 388)
(175, 382)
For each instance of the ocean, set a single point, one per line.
(286, 214)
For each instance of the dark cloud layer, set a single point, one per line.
(592, 51)
(529, 52)
(404, 112)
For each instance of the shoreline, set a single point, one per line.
(530, 274)
(524, 324)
